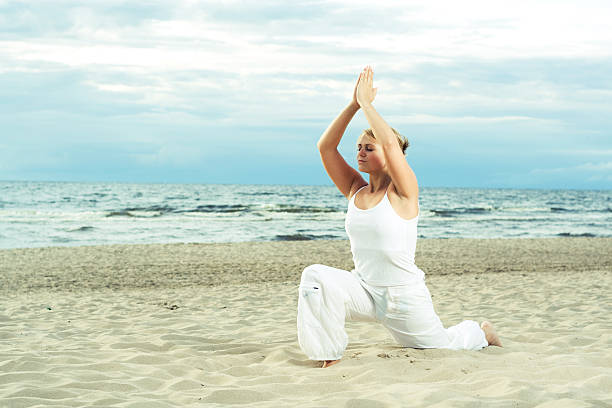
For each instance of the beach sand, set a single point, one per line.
(183, 325)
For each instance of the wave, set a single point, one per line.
(125, 213)
(159, 208)
(461, 211)
(99, 195)
(287, 208)
(562, 209)
(221, 209)
(61, 240)
(303, 237)
(570, 234)
(82, 229)
(145, 212)
(457, 212)
(581, 210)
(216, 208)
(516, 219)
(263, 193)
(270, 193)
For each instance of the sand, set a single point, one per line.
(211, 325)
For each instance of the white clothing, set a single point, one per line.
(329, 296)
(383, 244)
(385, 286)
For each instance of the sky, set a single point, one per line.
(489, 93)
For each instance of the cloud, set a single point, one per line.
(172, 155)
(585, 152)
(187, 33)
(584, 167)
(144, 74)
(473, 120)
(586, 174)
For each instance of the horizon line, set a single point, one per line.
(285, 184)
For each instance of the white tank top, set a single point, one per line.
(383, 244)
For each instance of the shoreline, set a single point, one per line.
(151, 266)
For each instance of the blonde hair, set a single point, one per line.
(403, 142)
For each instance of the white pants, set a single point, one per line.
(329, 296)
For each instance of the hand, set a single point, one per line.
(354, 101)
(365, 94)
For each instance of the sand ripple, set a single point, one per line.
(235, 345)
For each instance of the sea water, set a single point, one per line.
(37, 214)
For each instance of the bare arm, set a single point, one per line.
(403, 177)
(341, 173)
(330, 139)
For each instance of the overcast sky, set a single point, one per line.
(489, 93)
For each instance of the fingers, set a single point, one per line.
(364, 84)
(363, 77)
(367, 74)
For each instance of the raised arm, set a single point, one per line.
(401, 173)
(345, 177)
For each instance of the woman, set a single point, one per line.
(381, 223)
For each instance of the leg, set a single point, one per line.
(411, 319)
(327, 298)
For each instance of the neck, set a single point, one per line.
(379, 181)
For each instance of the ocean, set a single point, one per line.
(40, 214)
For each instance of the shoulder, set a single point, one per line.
(355, 188)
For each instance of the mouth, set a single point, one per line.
(361, 161)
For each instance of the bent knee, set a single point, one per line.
(311, 273)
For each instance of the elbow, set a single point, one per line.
(321, 146)
(390, 145)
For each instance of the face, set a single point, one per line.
(369, 155)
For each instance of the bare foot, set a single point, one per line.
(490, 334)
(328, 363)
